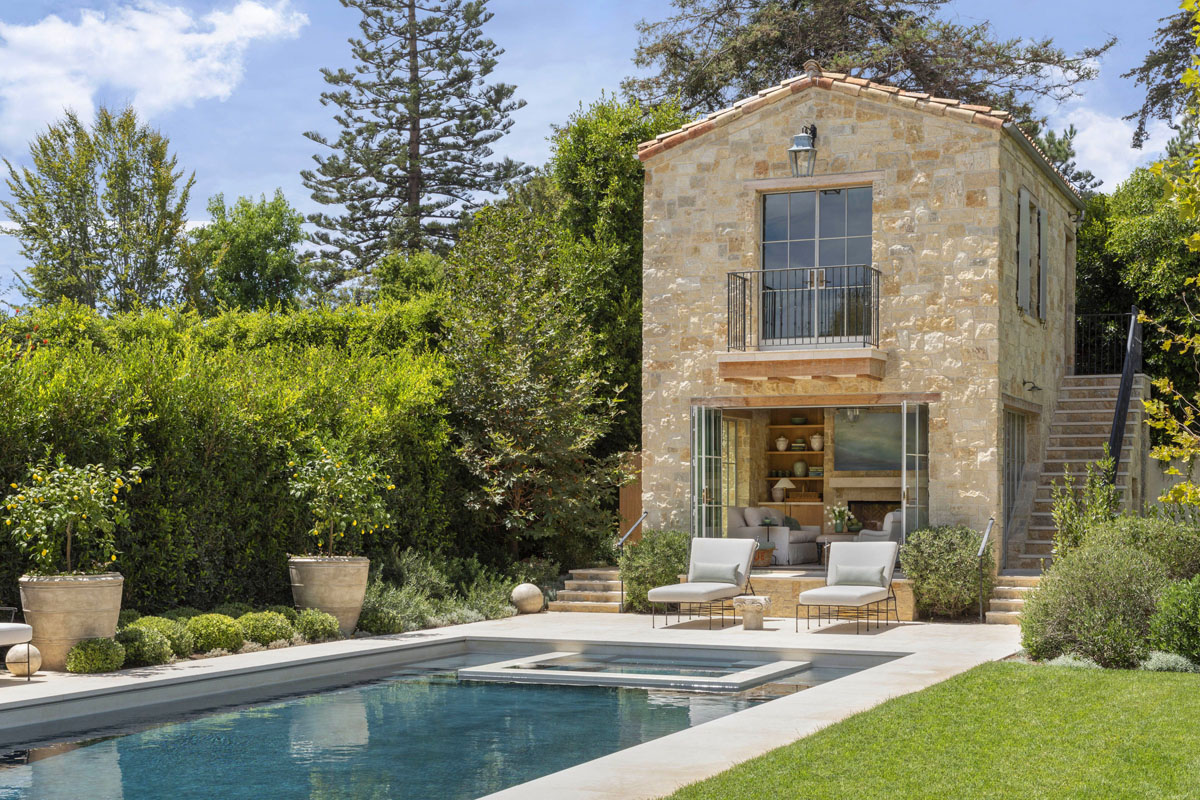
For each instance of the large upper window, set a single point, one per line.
(823, 228)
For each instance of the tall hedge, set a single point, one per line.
(216, 408)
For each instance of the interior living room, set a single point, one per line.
(799, 478)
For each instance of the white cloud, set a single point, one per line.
(1102, 144)
(163, 56)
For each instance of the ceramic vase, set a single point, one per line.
(800, 469)
(781, 443)
(817, 441)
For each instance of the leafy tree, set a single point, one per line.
(529, 401)
(598, 184)
(1166, 98)
(246, 256)
(712, 52)
(99, 213)
(417, 123)
(405, 275)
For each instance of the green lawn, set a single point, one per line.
(1001, 730)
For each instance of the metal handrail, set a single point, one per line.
(803, 307)
(979, 557)
(1132, 363)
(620, 546)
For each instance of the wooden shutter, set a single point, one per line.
(1023, 243)
(1043, 259)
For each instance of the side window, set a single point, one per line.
(1031, 255)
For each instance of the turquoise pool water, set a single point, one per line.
(413, 735)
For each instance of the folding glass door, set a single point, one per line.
(914, 476)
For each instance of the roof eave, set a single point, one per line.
(1047, 169)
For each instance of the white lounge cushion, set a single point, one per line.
(14, 633)
(692, 592)
(843, 596)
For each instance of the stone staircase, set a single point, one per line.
(594, 590)
(1008, 598)
(1079, 430)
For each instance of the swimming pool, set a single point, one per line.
(416, 734)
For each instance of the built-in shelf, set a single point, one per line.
(795, 478)
(793, 503)
(795, 452)
(817, 426)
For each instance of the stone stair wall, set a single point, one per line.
(591, 590)
(1079, 430)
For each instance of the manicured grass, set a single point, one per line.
(1003, 730)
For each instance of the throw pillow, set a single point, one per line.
(792, 523)
(851, 575)
(704, 572)
(753, 516)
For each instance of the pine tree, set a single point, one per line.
(417, 124)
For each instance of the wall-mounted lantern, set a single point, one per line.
(803, 152)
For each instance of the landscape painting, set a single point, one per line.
(866, 440)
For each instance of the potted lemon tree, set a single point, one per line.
(345, 498)
(64, 518)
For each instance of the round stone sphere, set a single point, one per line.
(527, 598)
(15, 660)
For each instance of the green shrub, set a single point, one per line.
(942, 565)
(490, 595)
(392, 609)
(1096, 601)
(1158, 661)
(317, 626)
(1175, 626)
(181, 613)
(1175, 543)
(657, 559)
(95, 655)
(215, 632)
(144, 647)
(1077, 512)
(1072, 660)
(183, 644)
(453, 612)
(265, 627)
(543, 573)
(234, 610)
(214, 406)
(127, 616)
(288, 611)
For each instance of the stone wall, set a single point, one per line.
(937, 227)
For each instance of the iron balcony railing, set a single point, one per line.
(1100, 343)
(803, 307)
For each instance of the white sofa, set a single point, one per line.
(736, 554)
(791, 547)
(858, 578)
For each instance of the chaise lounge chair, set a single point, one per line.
(718, 570)
(859, 579)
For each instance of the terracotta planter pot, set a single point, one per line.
(65, 609)
(333, 584)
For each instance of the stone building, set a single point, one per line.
(904, 313)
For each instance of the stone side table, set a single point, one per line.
(751, 608)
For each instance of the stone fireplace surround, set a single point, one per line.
(871, 512)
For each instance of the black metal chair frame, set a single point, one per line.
(12, 615)
(703, 609)
(867, 611)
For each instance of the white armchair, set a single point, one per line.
(765, 525)
(889, 530)
(718, 570)
(859, 578)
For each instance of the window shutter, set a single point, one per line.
(1023, 242)
(1043, 252)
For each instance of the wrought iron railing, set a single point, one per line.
(1100, 341)
(1131, 365)
(804, 306)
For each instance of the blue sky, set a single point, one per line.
(235, 83)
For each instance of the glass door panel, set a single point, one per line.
(914, 480)
(708, 510)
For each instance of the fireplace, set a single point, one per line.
(871, 512)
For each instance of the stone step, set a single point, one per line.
(592, 586)
(589, 597)
(1018, 581)
(596, 574)
(589, 607)
(996, 604)
(1010, 592)
(1038, 547)
(1082, 452)
(1099, 380)
(1098, 429)
(1094, 392)
(1003, 617)
(1065, 416)
(1033, 561)
(1068, 404)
